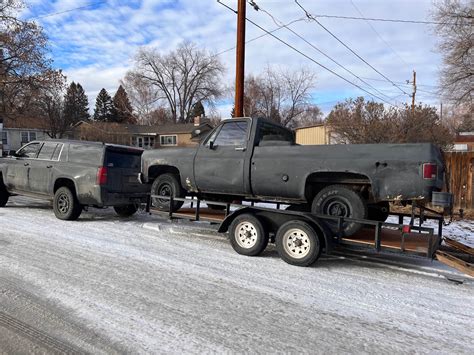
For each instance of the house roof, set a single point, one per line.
(465, 138)
(22, 122)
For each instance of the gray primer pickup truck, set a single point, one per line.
(75, 174)
(254, 159)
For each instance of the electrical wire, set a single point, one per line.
(311, 17)
(69, 10)
(306, 56)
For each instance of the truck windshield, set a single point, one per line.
(116, 159)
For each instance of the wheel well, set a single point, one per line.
(63, 182)
(315, 182)
(156, 170)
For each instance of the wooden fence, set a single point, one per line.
(460, 167)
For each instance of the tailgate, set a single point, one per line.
(123, 166)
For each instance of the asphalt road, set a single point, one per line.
(144, 285)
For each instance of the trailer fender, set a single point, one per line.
(273, 219)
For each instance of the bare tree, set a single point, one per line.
(180, 78)
(457, 42)
(281, 95)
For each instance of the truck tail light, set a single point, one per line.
(102, 175)
(430, 171)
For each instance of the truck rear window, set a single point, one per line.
(114, 159)
(85, 154)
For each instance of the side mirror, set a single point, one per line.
(211, 145)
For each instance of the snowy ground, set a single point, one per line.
(144, 285)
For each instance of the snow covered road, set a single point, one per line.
(144, 285)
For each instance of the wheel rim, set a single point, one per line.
(246, 235)
(337, 207)
(163, 189)
(63, 203)
(296, 243)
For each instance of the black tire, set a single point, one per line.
(298, 243)
(65, 205)
(216, 207)
(4, 195)
(167, 185)
(378, 211)
(340, 201)
(248, 236)
(126, 211)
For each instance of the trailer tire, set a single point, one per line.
(248, 235)
(378, 211)
(4, 195)
(126, 211)
(167, 185)
(298, 243)
(340, 201)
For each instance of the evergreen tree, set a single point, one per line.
(104, 107)
(197, 111)
(123, 107)
(76, 104)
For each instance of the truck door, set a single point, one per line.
(18, 170)
(220, 161)
(41, 168)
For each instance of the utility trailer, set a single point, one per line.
(301, 237)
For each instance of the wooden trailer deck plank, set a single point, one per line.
(458, 264)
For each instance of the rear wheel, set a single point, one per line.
(298, 243)
(167, 185)
(126, 211)
(4, 195)
(378, 211)
(340, 201)
(65, 205)
(247, 235)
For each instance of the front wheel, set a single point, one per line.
(4, 195)
(166, 185)
(65, 205)
(126, 211)
(298, 243)
(340, 201)
(248, 235)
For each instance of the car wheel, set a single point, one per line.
(166, 185)
(298, 243)
(126, 211)
(340, 201)
(65, 205)
(4, 195)
(248, 235)
(378, 211)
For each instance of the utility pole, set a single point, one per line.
(413, 95)
(240, 60)
(441, 111)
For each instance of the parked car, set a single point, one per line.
(258, 160)
(75, 174)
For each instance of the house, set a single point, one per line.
(464, 142)
(21, 130)
(315, 134)
(146, 137)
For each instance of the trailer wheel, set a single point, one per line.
(340, 201)
(298, 243)
(167, 185)
(248, 235)
(378, 211)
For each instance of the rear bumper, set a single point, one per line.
(118, 199)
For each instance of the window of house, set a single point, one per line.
(4, 138)
(134, 141)
(27, 137)
(168, 140)
(152, 142)
(146, 142)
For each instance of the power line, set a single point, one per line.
(68, 10)
(403, 83)
(350, 49)
(278, 22)
(306, 56)
(378, 34)
(384, 20)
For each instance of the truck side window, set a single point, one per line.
(269, 132)
(47, 151)
(29, 151)
(232, 133)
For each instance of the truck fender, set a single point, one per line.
(273, 219)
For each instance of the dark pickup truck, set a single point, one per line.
(254, 159)
(75, 174)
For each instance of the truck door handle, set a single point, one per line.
(241, 149)
(26, 164)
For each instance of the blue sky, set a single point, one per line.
(96, 45)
